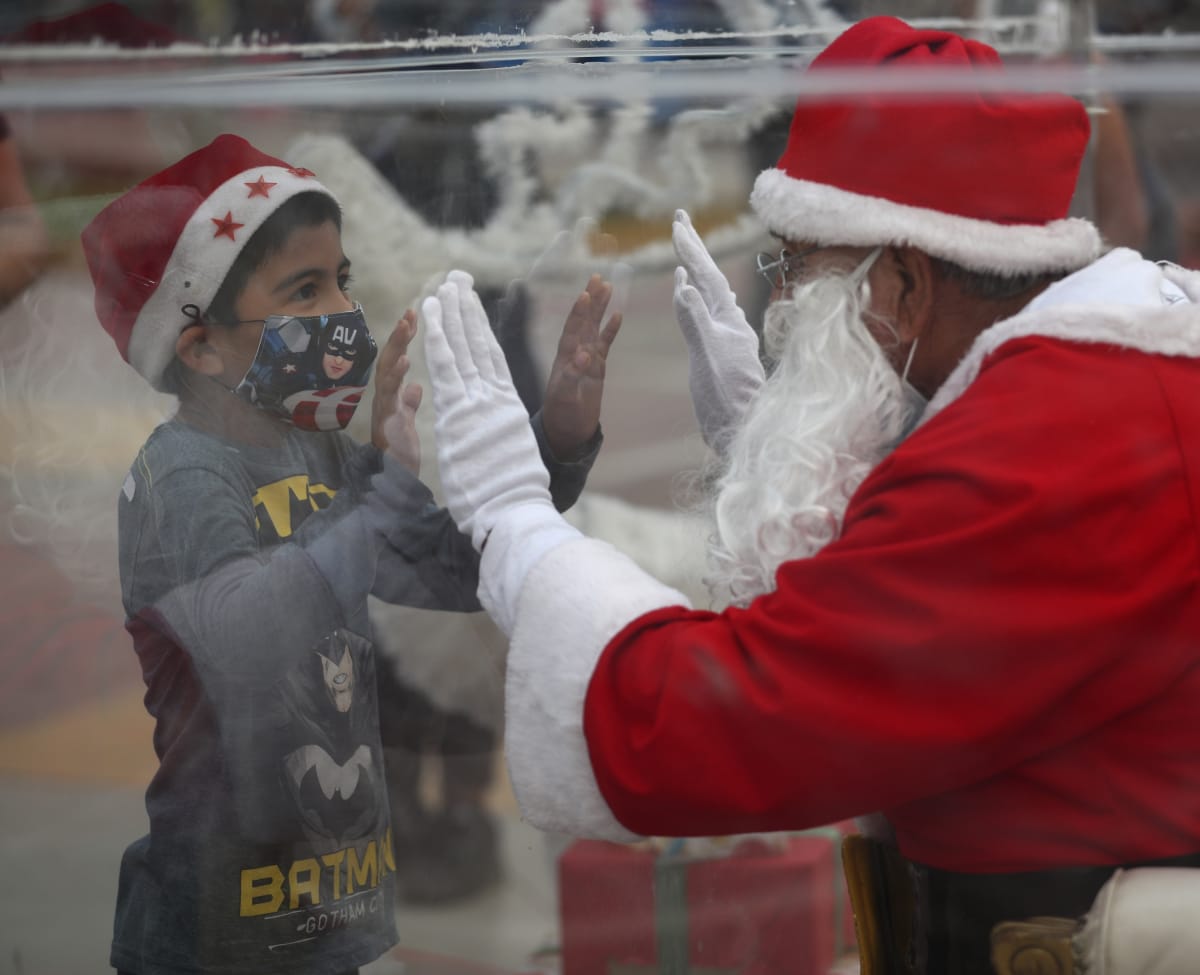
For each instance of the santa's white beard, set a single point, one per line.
(831, 409)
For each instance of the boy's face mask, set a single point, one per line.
(311, 369)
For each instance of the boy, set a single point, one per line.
(251, 532)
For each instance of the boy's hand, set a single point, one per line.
(571, 410)
(394, 408)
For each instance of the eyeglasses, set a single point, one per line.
(779, 270)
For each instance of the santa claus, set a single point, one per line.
(957, 524)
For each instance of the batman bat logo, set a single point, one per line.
(336, 799)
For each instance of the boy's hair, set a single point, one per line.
(303, 210)
(160, 254)
(310, 209)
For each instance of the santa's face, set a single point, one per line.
(813, 261)
(831, 409)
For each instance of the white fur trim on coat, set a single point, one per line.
(801, 210)
(573, 602)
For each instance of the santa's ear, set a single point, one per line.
(196, 352)
(911, 298)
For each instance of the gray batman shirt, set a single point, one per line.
(245, 573)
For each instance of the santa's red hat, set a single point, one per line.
(159, 253)
(981, 179)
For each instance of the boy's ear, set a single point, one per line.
(194, 351)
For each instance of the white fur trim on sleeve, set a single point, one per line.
(1143, 922)
(518, 541)
(801, 210)
(573, 602)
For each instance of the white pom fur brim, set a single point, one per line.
(801, 210)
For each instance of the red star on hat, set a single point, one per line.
(260, 187)
(226, 226)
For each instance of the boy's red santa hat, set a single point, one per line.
(981, 179)
(159, 253)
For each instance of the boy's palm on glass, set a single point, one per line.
(394, 407)
(571, 411)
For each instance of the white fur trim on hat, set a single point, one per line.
(805, 211)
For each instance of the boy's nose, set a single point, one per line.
(336, 302)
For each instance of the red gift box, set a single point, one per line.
(764, 909)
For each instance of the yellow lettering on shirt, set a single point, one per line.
(364, 873)
(304, 879)
(262, 890)
(340, 874)
(279, 500)
(334, 862)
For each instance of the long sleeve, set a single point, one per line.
(1006, 599)
(429, 563)
(567, 475)
(245, 609)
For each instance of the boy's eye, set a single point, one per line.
(305, 292)
(345, 280)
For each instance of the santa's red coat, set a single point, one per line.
(1001, 652)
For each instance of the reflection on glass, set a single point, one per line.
(530, 144)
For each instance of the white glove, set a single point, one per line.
(487, 456)
(724, 371)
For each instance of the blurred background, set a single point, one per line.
(530, 143)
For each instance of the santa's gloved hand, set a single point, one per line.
(724, 371)
(487, 455)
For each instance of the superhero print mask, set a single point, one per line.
(311, 369)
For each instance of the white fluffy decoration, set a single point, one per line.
(572, 16)
(670, 545)
(562, 17)
(552, 170)
(72, 418)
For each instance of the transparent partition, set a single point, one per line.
(532, 145)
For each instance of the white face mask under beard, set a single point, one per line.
(915, 400)
(831, 410)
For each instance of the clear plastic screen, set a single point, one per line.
(531, 144)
